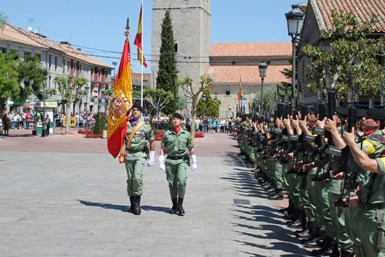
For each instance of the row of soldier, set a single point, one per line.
(330, 163)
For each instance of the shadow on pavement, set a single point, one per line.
(155, 208)
(20, 135)
(258, 221)
(123, 208)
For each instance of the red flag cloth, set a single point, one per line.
(138, 41)
(120, 104)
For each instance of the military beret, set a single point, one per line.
(177, 115)
(137, 106)
(361, 113)
(376, 114)
(342, 111)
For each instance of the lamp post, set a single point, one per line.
(114, 63)
(294, 25)
(44, 97)
(204, 98)
(262, 73)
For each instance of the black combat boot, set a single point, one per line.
(131, 209)
(326, 248)
(180, 207)
(277, 195)
(304, 232)
(174, 208)
(288, 209)
(136, 210)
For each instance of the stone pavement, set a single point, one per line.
(64, 195)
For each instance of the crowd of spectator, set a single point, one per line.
(202, 124)
(86, 120)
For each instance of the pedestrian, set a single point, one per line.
(28, 119)
(176, 150)
(135, 152)
(47, 125)
(7, 123)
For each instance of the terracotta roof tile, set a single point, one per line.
(248, 74)
(262, 49)
(363, 9)
(41, 41)
(9, 33)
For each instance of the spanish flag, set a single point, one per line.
(240, 93)
(120, 104)
(138, 41)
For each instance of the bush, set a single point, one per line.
(84, 131)
(199, 135)
(100, 124)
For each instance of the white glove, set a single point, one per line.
(194, 164)
(151, 160)
(162, 166)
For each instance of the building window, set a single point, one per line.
(55, 63)
(26, 54)
(49, 61)
(227, 92)
(3, 50)
(38, 57)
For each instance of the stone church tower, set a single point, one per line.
(191, 26)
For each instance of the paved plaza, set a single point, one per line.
(64, 195)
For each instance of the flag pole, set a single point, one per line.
(141, 76)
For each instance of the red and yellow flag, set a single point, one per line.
(138, 41)
(240, 93)
(120, 104)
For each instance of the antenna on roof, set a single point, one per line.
(30, 20)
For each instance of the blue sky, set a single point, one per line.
(97, 27)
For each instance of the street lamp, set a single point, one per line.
(114, 63)
(107, 99)
(262, 73)
(205, 123)
(294, 25)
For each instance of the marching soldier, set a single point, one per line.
(135, 153)
(176, 150)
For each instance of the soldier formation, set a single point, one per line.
(330, 162)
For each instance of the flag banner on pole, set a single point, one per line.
(240, 93)
(138, 41)
(120, 104)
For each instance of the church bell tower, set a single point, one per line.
(191, 26)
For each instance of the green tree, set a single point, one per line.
(100, 124)
(196, 95)
(9, 86)
(68, 91)
(269, 101)
(207, 107)
(351, 51)
(158, 98)
(32, 76)
(167, 73)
